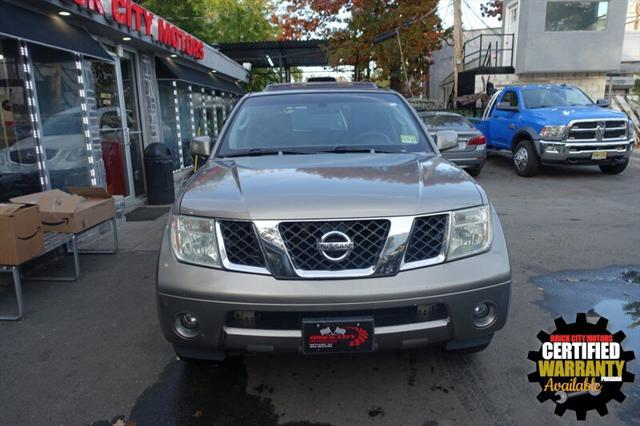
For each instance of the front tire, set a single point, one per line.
(525, 159)
(613, 169)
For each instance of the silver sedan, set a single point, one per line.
(471, 152)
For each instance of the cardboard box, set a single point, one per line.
(21, 233)
(78, 211)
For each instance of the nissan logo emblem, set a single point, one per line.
(335, 246)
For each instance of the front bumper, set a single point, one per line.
(213, 294)
(581, 152)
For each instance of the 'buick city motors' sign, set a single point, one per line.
(137, 18)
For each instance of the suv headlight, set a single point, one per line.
(193, 240)
(470, 232)
(555, 133)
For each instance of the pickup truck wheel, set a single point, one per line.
(614, 169)
(525, 159)
(474, 171)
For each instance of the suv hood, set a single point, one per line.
(324, 186)
(563, 115)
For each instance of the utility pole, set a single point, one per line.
(457, 46)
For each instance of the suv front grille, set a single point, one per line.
(241, 243)
(588, 131)
(301, 239)
(427, 238)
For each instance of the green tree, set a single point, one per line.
(222, 21)
(219, 21)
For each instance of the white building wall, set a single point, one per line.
(631, 45)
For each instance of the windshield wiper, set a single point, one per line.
(254, 152)
(350, 149)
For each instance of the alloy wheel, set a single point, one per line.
(521, 158)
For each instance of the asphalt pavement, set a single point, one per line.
(91, 352)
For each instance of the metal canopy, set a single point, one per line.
(167, 69)
(48, 31)
(288, 53)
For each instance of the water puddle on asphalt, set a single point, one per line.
(199, 394)
(613, 293)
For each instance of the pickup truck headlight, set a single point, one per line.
(470, 232)
(554, 133)
(194, 240)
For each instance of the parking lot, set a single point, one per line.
(91, 352)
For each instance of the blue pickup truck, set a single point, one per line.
(543, 124)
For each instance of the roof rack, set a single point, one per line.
(275, 87)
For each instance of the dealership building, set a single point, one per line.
(86, 85)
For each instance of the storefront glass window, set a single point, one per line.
(19, 173)
(186, 127)
(58, 92)
(216, 123)
(220, 110)
(111, 130)
(198, 111)
(169, 121)
(208, 114)
(132, 113)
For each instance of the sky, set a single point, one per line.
(471, 15)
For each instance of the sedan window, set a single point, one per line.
(447, 122)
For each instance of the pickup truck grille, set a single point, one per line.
(241, 243)
(301, 241)
(597, 131)
(427, 238)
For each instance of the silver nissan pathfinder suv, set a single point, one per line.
(325, 220)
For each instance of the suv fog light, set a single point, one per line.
(484, 314)
(187, 325)
(189, 321)
(553, 149)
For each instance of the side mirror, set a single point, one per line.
(603, 103)
(201, 146)
(506, 106)
(446, 139)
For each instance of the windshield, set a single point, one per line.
(447, 122)
(317, 122)
(555, 97)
